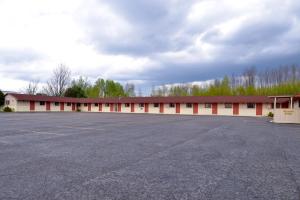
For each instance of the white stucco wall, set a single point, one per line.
(125, 109)
(224, 111)
(67, 108)
(168, 109)
(23, 106)
(203, 110)
(39, 108)
(244, 111)
(138, 109)
(105, 109)
(152, 109)
(185, 110)
(12, 102)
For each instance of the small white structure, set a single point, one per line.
(290, 113)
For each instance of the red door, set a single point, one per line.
(161, 108)
(236, 110)
(73, 106)
(32, 106)
(111, 107)
(132, 107)
(62, 106)
(100, 107)
(259, 109)
(146, 107)
(48, 106)
(195, 108)
(178, 108)
(89, 107)
(119, 107)
(214, 108)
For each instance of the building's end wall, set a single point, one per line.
(11, 102)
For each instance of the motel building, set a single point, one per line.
(286, 109)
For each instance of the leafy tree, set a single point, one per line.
(75, 91)
(78, 88)
(1, 98)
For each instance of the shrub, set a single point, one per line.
(7, 109)
(78, 110)
(270, 114)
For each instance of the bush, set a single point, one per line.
(270, 114)
(7, 109)
(78, 110)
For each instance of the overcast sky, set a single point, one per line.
(147, 42)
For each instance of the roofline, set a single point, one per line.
(169, 99)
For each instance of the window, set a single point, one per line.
(171, 105)
(42, 103)
(85, 105)
(7, 102)
(78, 104)
(68, 104)
(207, 105)
(156, 105)
(96, 105)
(189, 105)
(299, 103)
(127, 105)
(56, 103)
(107, 105)
(228, 105)
(141, 105)
(250, 105)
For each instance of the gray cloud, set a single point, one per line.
(14, 56)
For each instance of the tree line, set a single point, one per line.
(60, 84)
(283, 80)
(271, 81)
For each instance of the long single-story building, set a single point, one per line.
(190, 105)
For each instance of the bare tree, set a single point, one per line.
(59, 81)
(32, 87)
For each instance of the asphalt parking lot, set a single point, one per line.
(131, 156)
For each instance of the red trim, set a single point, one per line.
(111, 107)
(119, 107)
(214, 108)
(32, 106)
(161, 108)
(195, 108)
(259, 109)
(62, 106)
(178, 108)
(236, 109)
(48, 106)
(146, 107)
(89, 107)
(100, 107)
(132, 107)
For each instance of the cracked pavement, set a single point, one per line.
(93, 156)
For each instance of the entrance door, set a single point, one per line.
(178, 108)
(119, 107)
(32, 106)
(116, 107)
(214, 108)
(146, 107)
(48, 106)
(236, 109)
(195, 108)
(259, 109)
